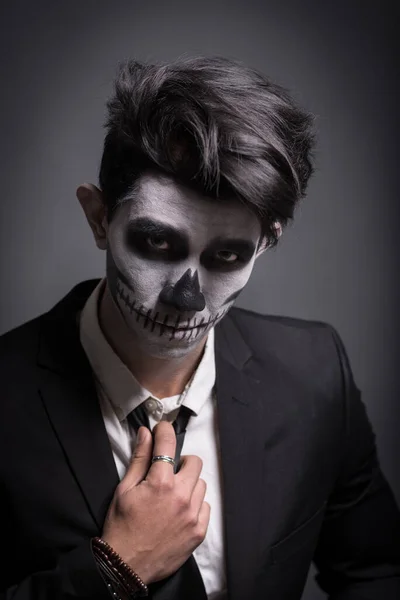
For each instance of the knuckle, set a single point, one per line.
(120, 492)
(120, 498)
(193, 461)
(182, 500)
(138, 456)
(165, 485)
(193, 520)
(197, 462)
(207, 506)
(166, 438)
(164, 431)
(199, 534)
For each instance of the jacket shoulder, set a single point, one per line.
(298, 344)
(20, 341)
(20, 344)
(280, 325)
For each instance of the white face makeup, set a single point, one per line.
(176, 261)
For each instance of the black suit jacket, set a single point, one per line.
(301, 480)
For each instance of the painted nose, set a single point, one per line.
(185, 294)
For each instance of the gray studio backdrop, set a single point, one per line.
(336, 263)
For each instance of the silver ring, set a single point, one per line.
(164, 458)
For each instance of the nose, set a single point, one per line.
(185, 294)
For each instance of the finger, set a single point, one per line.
(164, 444)
(141, 457)
(204, 516)
(189, 471)
(198, 495)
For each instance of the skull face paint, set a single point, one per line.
(176, 261)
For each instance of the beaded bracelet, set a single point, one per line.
(115, 583)
(117, 572)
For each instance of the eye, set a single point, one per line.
(157, 242)
(227, 256)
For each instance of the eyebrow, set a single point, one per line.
(148, 226)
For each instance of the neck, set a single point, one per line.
(163, 377)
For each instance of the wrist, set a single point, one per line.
(119, 577)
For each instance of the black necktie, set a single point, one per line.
(138, 417)
(186, 583)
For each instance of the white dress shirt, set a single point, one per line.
(119, 393)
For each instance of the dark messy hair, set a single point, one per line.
(215, 125)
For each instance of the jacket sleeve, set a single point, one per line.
(75, 577)
(358, 553)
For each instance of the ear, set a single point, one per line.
(264, 245)
(91, 200)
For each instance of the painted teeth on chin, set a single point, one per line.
(147, 318)
(175, 327)
(139, 313)
(125, 297)
(154, 322)
(191, 332)
(164, 325)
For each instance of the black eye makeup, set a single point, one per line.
(154, 240)
(227, 254)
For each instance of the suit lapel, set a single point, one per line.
(242, 454)
(261, 426)
(69, 395)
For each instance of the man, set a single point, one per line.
(261, 458)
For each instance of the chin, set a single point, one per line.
(165, 346)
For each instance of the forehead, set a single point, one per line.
(160, 197)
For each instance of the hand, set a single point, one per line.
(157, 518)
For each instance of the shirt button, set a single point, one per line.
(151, 404)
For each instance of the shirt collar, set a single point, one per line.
(119, 384)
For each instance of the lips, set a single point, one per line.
(186, 328)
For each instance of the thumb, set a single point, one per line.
(141, 457)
